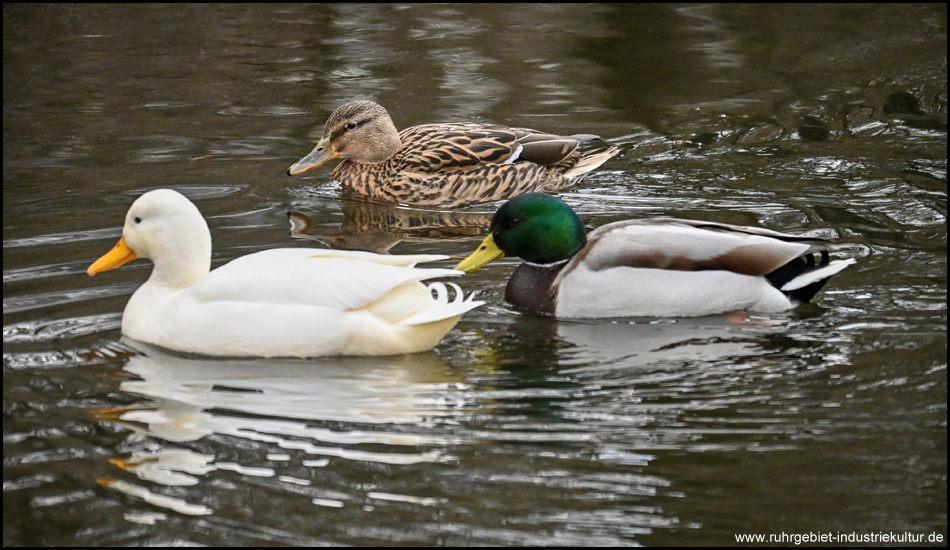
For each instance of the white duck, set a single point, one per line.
(650, 267)
(290, 302)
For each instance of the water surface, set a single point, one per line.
(824, 120)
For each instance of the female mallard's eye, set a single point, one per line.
(351, 125)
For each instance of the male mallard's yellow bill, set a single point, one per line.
(120, 255)
(323, 152)
(486, 252)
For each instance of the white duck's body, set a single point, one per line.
(292, 302)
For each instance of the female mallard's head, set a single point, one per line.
(360, 131)
(535, 227)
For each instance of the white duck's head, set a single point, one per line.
(167, 228)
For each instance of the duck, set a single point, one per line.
(656, 267)
(282, 302)
(445, 164)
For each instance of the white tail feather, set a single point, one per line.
(821, 274)
(446, 307)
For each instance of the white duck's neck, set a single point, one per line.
(181, 262)
(180, 272)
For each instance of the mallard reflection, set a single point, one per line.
(377, 227)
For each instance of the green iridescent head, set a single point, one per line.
(535, 227)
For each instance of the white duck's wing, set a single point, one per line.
(404, 260)
(316, 277)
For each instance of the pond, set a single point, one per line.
(828, 420)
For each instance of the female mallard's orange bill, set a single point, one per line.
(322, 153)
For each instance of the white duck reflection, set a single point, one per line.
(280, 405)
(399, 389)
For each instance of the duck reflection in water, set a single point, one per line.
(378, 227)
(284, 406)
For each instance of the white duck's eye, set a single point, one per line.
(138, 220)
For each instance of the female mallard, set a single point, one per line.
(650, 267)
(289, 302)
(448, 164)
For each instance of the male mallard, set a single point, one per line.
(649, 267)
(447, 164)
(288, 302)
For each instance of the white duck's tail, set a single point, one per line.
(446, 307)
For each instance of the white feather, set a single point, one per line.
(626, 291)
(820, 274)
(514, 156)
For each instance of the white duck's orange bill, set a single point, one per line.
(120, 255)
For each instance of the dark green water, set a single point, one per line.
(827, 120)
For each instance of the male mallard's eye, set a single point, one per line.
(515, 221)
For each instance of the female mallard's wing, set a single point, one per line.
(437, 148)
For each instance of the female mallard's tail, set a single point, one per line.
(588, 162)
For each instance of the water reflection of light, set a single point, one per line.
(629, 388)
(162, 501)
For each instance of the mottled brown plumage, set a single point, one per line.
(445, 164)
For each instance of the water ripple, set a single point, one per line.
(44, 331)
(49, 299)
(61, 238)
